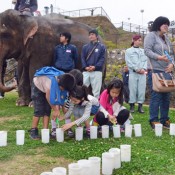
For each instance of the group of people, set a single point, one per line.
(142, 62)
(64, 87)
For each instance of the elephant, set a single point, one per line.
(31, 41)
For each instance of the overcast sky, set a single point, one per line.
(118, 11)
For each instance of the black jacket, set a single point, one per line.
(22, 4)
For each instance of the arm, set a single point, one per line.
(75, 56)
(83, 58)
(101, 59)
(56, 108)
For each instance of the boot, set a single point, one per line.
(132, 107)
(140, 109)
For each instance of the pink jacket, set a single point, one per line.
(104, 102)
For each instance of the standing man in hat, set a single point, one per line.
(26, 7)
(137, 64)
(93, 58)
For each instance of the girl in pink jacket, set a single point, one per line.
(111, 99)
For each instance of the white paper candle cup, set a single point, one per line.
(79, 133)
(107, 163)
(116, 131)
(128, 130)
(47, 173)
(158, 129)
(45, 135)
(3, 138)
(105, 131)
(86, 166)
(138, 130)
(20, 136)
(60, 135)
(93, 132)
(172, 129)
(95, 164)
(117, 157)
(75, 169)
(125, 151)
(59, 171)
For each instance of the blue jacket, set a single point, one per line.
(65, 57)
(22, 4)
(97, 58)
(57, 96)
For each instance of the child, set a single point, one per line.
(111, 99)
(49, 90)
(79, 81)
(81, 104)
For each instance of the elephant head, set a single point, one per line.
(14, 35)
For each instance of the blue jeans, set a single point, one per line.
(159, 102)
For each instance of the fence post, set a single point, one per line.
(130, 27)
(122, 25)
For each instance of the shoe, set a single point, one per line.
(122, 130)
(166, 125)
(1, 97)
(140, 109)
(153, 124)
(53, 133)
(70, 133)
(132, 107)
(34, 134)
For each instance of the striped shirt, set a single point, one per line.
(87, 111)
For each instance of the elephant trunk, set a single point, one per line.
(2, 73)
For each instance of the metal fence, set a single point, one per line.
(95, 11)
(129, 27)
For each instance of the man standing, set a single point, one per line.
(93, 58)
(26, 7)
(66, 54)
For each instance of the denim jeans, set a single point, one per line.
(159, 102)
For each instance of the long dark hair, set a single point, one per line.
(80, 92)
(118, 84)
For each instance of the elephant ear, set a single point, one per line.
(30, 28)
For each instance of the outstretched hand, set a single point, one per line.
(67, 126)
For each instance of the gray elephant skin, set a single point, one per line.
(31, 41)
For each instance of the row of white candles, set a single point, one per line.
(92, 166)
(45, 135)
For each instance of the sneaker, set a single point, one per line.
(53, 133)
(34, 134)
(153, 124)
(166, 125)
(70, 133)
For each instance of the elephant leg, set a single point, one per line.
(24, 89)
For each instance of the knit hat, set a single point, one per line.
(123, 115)
(135, 38)
(94, 31)
(67, 81)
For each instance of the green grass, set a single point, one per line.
(151, 155)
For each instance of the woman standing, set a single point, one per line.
(137, 64)
(155, 44)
